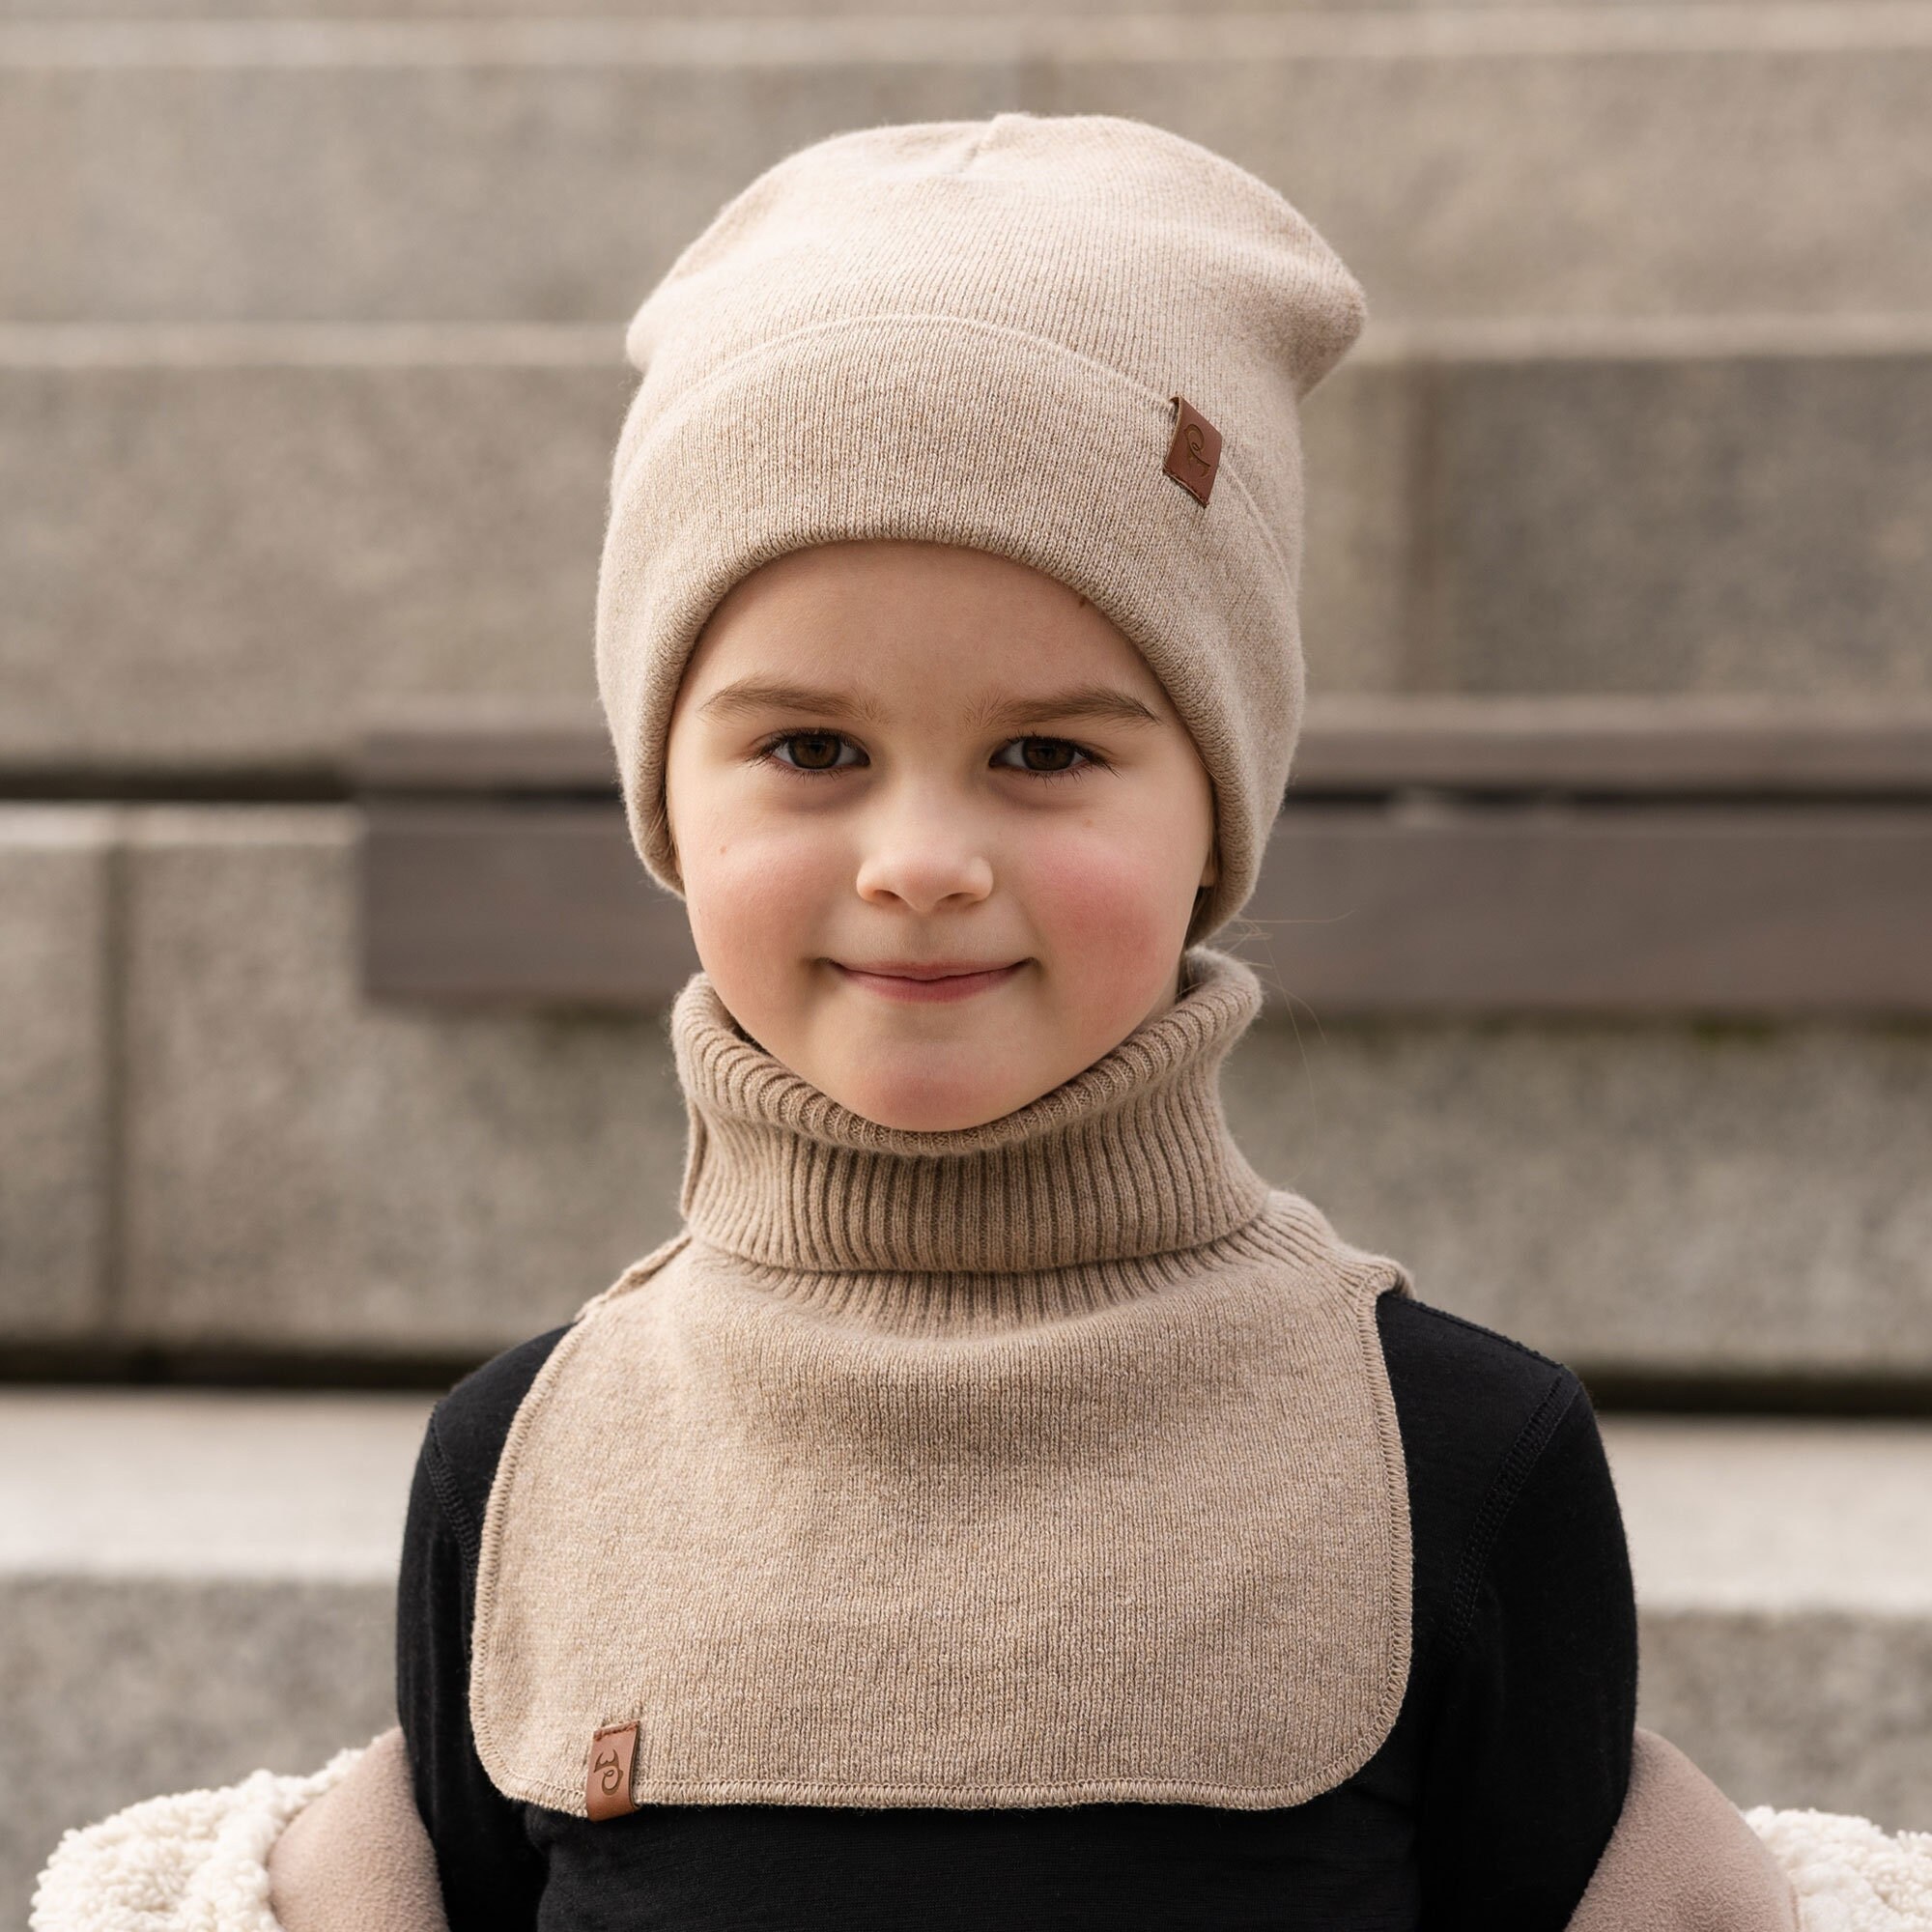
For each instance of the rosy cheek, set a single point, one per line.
(1109, 897)
(759, 877)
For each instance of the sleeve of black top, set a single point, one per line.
(491, 1874)
(1529, 1755)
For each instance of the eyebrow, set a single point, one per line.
(776, 693)
(1087, 700)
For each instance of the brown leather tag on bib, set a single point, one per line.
(1194, 456)
(607, 1784)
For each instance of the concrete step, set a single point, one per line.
(57, 1182)
(205, 1581)
(231, 549)
(208, 1141)
(1784, 1578)
(1701, 156)
(191, 1586)
(249, 543)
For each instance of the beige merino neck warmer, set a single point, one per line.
(1039, 1463)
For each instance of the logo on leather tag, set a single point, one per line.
(607, 1784)
(1195, 454)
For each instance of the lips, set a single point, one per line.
(943, 969)
(928, 980)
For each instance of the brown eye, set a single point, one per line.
(811, 751)
(1047, 757)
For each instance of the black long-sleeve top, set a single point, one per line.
(1487, 1806)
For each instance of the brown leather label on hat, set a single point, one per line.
(607, 1784)
(1195, 453)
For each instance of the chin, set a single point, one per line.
(914, 1107)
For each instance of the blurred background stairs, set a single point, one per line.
(310, 370)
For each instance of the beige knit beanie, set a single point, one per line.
(1077, 341)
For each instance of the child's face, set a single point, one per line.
(936, 787)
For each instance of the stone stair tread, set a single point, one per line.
(205, 1483)
(1785, 1513)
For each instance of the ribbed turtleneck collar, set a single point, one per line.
(1131, 1158)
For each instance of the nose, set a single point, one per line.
(923, 859)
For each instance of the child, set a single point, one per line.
(997, 1504)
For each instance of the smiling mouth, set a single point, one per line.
(946, 980)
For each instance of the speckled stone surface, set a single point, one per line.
(57, 1070)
